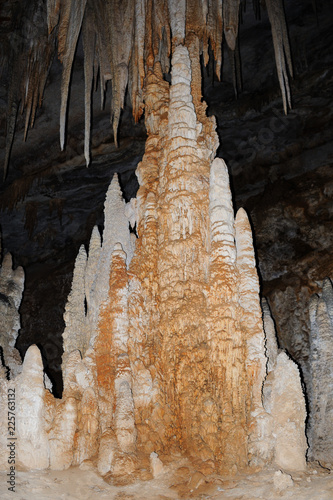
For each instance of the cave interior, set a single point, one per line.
(86, 69)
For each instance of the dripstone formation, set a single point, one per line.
(164, 345)
(11, 289)
(320, 429)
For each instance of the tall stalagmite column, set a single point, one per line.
(206, 361)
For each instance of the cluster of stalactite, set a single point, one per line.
(164, 345)
(121, 40)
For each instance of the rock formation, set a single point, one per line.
(320, 428)
(284, 400)
(11, 289)
(164, 346)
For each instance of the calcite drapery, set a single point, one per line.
(164, 347)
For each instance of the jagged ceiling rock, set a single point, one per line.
(120, 42)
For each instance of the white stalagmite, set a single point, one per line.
(260, 443)
(284, 400)
(74, 335)
(221, 213)
(246, 264)
(90, 285)
(88, 427)
(320, 428)
(248, 289)
(94, 258)
(32, 440)
(116, 230)
(125, 429)
(61, 434)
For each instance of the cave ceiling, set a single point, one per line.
(280, 164)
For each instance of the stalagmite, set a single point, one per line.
(251, 322)
(320, 427)
(32, 440)
(71, 16)
(284, 400)
(74, 335)
(61, 434)
(11, 289)
(164, 346)
(88, 427)
(221, 214)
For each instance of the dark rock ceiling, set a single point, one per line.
(280, 166)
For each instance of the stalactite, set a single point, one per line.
(12, 108)
(30, 55)
(89, 43)
(121, 40)
(281, 48)
(71, 16)
(177, 11)
(118, 39)
(137, 66)
(32, 444)
(214, 33)
(231, 22)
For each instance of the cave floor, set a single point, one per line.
(178, 479)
